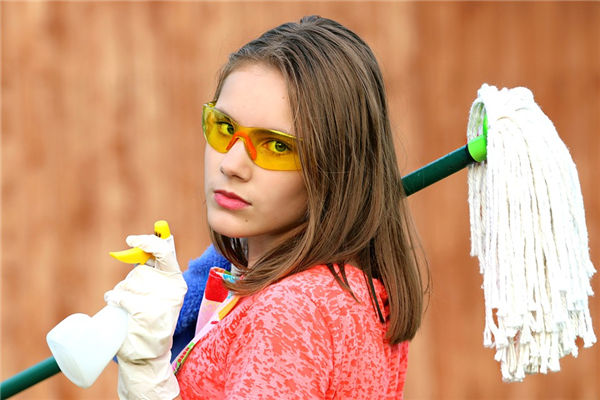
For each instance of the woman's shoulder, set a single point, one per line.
(316, 291)
(300, 290)
(316, 282)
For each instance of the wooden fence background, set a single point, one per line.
(101, 136)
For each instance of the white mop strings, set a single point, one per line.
(528, 230)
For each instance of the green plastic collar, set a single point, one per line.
(478, 147)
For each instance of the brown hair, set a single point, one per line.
(356, 205)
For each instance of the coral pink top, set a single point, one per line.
(301, 338)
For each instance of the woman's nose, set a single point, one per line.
(236, 162)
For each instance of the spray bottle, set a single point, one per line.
(82, 345)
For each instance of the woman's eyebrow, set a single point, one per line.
(253, 127)
(225, 114)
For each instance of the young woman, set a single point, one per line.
(304, 198)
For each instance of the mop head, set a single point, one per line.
(528, 230)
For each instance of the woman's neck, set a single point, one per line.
(257, 247)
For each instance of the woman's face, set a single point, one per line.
(244, 200)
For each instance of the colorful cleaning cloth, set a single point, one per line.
(215, 293)
(196, 277)
(217, 302)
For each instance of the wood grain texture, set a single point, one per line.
(101, 136)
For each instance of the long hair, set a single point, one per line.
(356, 205)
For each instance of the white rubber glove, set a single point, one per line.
(153, 297)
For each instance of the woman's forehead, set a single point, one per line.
(256, 95)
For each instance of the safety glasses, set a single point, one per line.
(268, 148)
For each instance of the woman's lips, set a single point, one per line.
(229, 200)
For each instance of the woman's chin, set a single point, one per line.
(227, 226)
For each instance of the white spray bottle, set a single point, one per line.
(83, 345)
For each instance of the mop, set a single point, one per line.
(528, 231)
(527, 228)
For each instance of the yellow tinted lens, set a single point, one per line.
(274, 150)
(218, 128)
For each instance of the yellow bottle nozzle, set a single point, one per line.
(135, 255)
(161, 229)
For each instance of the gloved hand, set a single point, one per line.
(153, 297)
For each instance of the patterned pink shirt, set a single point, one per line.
(301, 338)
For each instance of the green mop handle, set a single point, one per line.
(474, 151)
(28, 377)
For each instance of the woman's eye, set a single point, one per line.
(225, 128)
(277, 147)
